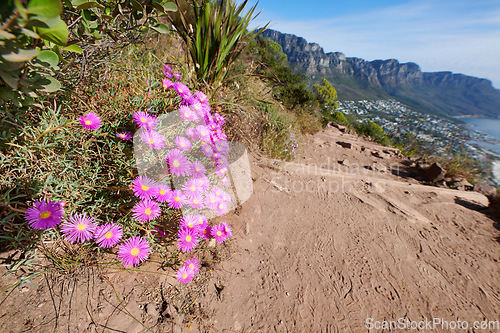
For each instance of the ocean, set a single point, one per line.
(492, 128)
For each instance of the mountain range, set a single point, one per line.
(444, 93)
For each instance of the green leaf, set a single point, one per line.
(48, 58)
(45, 8)
(73, 48)
(169, 7)
(161, 28)
(136, 5)
(49, 84)
(89, 4)
(9, 79)
(22, 55)
(10, 66)
(30, 33)
(57, 35)
(6, 35)
(43, 22)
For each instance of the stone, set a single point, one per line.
(346, 145)
(433, 172)
(494, 206)
(345, 162)
(378, 154)
(460, 184)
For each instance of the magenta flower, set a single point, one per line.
(90, 121)
(177, 199)
(187, 113)
(221, 208)
(192, 188)
(167, 68)
(212, 201)
(203, 183)
(227, 229)
(44, 215)
(163, 192)
(221, 171)
(206, 232)
(179, 165)
(207, 150)
(187, 239)
(108, 235)
(142, 119)
(193, 265)
(201, 97)
(79, 228)
(191, 132)
(134, 251)
(203, 133)
(224, 181)
(198, 169)
(189, 221)
(124, 136)
(154, 139)
(144, 188)
(177, 76)
(167, 84)
(146, 210)
(198, 108)
(182, 89)
(184, 275)
(196, 202)
(219, 233)
(183, 143)
(160, 232)
(202, 221)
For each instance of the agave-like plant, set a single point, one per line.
(216, 32)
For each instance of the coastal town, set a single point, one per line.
(434, 134)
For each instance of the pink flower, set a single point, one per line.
(187, 239)
(183, 143)
(79, 228)
(108, 235)
(184, 275)
(196, 202)
(177, 199)
(193, 265)
(219, 233)
(134, 251)
(124, 136)
(146, 210)
(198, 169)
(144, 188)
(154, 139)
(179, 165)
(187, 113)
(44, 214)
(201, 97)
(189, 221)
(182, 89)
(167, 84)
(191, 132)
(90, 121)
(192, 188)
(227, 229)
(212, 201)
(206, 232)
(142, 119)
(164, 192)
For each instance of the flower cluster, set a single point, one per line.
(80, 228)
(188, 155)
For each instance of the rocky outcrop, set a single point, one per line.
(442, 92)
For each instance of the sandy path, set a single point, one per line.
(310, 257)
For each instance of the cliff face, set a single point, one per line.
(355, 79)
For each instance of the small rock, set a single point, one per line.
(494, 206)
(460, 184)
(345, 162)
(433, 172)
(212, 243)
(378, 154)
(346, 145)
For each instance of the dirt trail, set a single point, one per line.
(322, 250)
(341, 235)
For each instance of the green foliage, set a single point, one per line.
(327, 94)
(279, 126)
(215, 33)
(372, 130)
(34, 37)
(290, 88)
(340, 118)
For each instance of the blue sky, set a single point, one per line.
(439, 35)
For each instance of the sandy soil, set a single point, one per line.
(339, 236)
